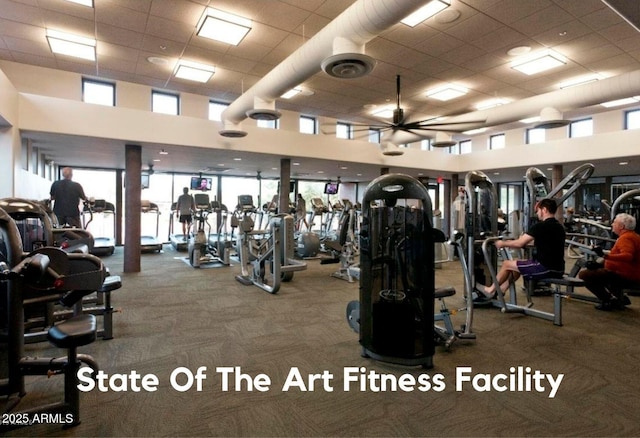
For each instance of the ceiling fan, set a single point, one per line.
(400, 123)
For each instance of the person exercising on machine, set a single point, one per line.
(620, 267)
(66, 196)
(548, 237)
(185, 207)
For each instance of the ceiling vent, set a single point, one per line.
(263, 110)
(390, 150)
(550, 118)
(443, 140)
(348, 60)
(348, 65)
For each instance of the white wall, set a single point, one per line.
(50, 101)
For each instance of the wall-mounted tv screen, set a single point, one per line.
(144, 182)
(198, 183)
(331, 188)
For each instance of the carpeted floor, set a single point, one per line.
(174, 316)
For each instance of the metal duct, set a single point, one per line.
(360, 23)
(593, 93)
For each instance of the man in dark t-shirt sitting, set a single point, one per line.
(548, 237)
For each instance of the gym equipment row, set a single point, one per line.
(46, 274)
(35, 223)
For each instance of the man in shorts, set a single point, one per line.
(548, 237)
(185, 206)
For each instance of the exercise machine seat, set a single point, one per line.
(110, 283)
(442, 292)
(74, 332)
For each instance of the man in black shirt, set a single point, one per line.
(548, 237)
(66, 196)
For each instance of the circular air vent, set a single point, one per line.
(348, 65)
(232, 133)
(263, 114)
(550, 124)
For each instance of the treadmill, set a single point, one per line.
(178, 241)
(105, 244)
(150, 243)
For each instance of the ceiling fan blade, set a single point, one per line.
(427, 122)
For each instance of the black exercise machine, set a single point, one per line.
(395, 314)
(43, 274)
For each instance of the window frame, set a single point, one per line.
(111, 85)
(176, 96)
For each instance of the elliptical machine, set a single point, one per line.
(272, 248)
(201, 248)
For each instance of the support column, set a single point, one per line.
(118, 204)
(285, 178)
(133, 188)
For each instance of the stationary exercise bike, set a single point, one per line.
(44, 275)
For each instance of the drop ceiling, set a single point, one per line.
(467, 44)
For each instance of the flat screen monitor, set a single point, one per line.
(144, 182)
(331, 188)
(198, 183)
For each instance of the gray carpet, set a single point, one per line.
(175, 316)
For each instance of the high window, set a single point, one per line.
(632, 119)
(344, 130)
(496, 142)
(98, 92)
(216, 109)
(165, 103)
(269, 124)
(581, 128)
(308, 125)
(535, 135)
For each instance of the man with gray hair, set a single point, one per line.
(621, 266)
(66, 195)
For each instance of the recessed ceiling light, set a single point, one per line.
(222, 26)
(71, 45)
(293, 92)
(295, 163)
(491, 103)
(158, 60)
(580, 80)
(447, 92)
(83, 2)
(194, 71)
(538, 62)
(237, 159)
(620, 102)
(163, 152)
(474, 131)
(529, 120)
(427, 11)
(623, 163)
(385, 112)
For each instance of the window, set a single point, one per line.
(216, 109)
(455, 149)
(496, 142)
(98, 92)
(344, 130)
(465, 147)
(374, 136)
(308, 125)
(581, 128)
(165, 103)
(269, 124)
(535, 135)
(632, 119)
(426, 144)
